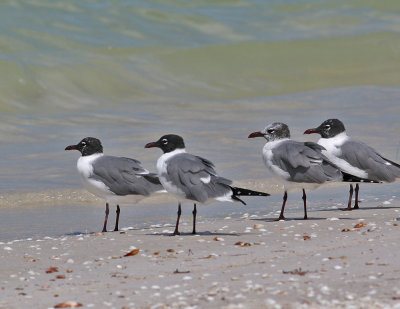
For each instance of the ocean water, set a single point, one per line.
(128, 72)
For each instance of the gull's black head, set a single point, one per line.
(329, 128)
(272, 132)
(168, 143)
(87, 146)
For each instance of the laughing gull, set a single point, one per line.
(353, 156)
(297, 163)
(115, 179)
(193, 178)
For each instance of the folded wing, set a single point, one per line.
(364, 157)
(304, 162)
(196, 177)
(125, 176)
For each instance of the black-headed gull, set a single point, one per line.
(297, 164)
(193, 178)
(353, 156)
(115, 179)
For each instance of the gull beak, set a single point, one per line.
(256, 134)
(311, 131)
(71, 147)
(151, 145)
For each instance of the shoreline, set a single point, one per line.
(331, 260)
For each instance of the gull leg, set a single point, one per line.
(281, 216)
(194, 212)
(356, 198)
(350, 198)
(117, 219)
(305, 204)
(176, 232)
(106, 218)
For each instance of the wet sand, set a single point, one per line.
(336, 259)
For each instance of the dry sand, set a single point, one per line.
(324, 262)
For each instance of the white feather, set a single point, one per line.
(225, 198)
(268, 155)
(85, 169)
(162, 164)
(333, 151)
(206, 179)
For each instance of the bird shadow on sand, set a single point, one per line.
(99, 232)
(205, 233)
(287, 219)
(361, 208)
(76, 233)
(92, 233)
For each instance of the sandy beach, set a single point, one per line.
(336, 259)
(128, 72)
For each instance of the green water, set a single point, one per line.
(213, 71)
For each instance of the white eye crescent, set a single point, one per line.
(164, 141)
(270, 131)
(83, 143)
(327, 126)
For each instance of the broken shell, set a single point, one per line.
(52, 269)
(242, 244)
(68, 304)
(361, 224)
(133, 252)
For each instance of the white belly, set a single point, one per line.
(267, 157)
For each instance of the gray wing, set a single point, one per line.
(304, 162)
(366, 158)
(196, 177)
(125, 176)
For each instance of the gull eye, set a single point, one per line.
(327, 126)
(164, 141)
(270, 131)
(83, 143)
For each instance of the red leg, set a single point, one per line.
(106, 218)
(176, 232)
(350, 198)
(281, 216)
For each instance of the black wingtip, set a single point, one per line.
(351, 178)
(246, 192)
(234, 197)
(153, 178)
(391, 162)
